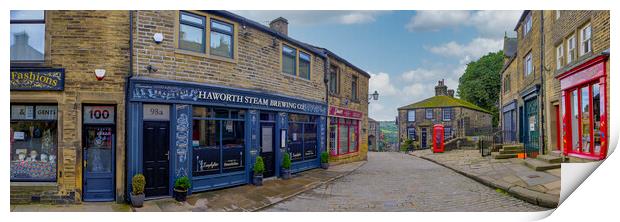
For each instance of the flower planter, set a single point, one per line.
(324, 165)
(258, 180)
(286, 174)
(137, 200)
(180, 195)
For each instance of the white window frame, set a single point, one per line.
(559, 56)
(527, 24)
(557, 14)
(528, 68)
(585, 40)
(571, 48)
(446, 112)
(410, 117)
(427, 112)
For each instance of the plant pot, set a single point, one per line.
(324, 165)
(137, 200)
(180, 195)
(258, 180)
(286, 174)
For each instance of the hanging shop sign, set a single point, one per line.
(99, 114)
(345, 113)
(52, 79)
(224, 96)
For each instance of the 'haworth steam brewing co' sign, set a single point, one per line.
(37, 79)
(224, 96)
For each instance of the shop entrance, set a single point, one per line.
(267, 141)
(532, 131)
(155, 154)
(423, 141)
(98, 153)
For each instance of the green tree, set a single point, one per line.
(481, 83)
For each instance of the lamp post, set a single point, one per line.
(373, 96)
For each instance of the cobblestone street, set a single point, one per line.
(399, 182)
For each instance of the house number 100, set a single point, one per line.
(99, 114)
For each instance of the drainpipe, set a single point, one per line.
(127, 96)
(542, 83)
(326, 65)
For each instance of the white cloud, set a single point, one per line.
(421, 74)
(473, 50)
(488, 23)
(311, 17)
(381, 83)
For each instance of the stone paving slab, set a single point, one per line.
(537, 187)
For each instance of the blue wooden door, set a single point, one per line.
(98, 162)
(424, 145)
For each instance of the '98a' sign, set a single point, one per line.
(98, 114)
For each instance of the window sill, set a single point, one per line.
(33, 184)
(294, 77)
(204, 55)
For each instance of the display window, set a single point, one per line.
(302, 137)
(346, 133)
(218, 141)
(34, 142)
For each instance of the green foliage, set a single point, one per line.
(259, 166)
(286, 161)
(481, 83)
(407, 145)
(137, 184)
(182, 183)
(389, 130)
(324, 157)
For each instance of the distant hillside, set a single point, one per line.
(390, 131)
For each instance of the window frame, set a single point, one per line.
(409, 133)
(195, 25)
(349, 124)
(528, 66)
(426, 114)
(336, 74)
(507, 83)
(409, 112)
(570, 40)
(354, 88)
(527, 24)
(309, 61)
(583, 40)
(295, 57)
(32, 21)
(559, 56)
(557, 14)
(447, 111)
(231, 33)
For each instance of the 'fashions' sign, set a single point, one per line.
(37, 79)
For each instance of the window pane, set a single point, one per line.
(333, 81)
(343, 140)
(411, 115)
(574, 119)
(233, 144)
(295, 141)
(27, 42)
(221, 26)
(34, 150)
(585, 119)
(310, 141)
(304, 56)
(288, 64)
(192, 19)
(27, 14)
(206, 147)
(353, 138)
(354, 88)
(304, 69)
(221, 44)
(191, 38)
(333, 127)
(596, 115)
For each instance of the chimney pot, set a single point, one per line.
(279, 25)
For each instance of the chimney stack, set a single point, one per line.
(441, 89)
(451, 93)
(279, 25)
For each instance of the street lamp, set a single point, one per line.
(373, 96)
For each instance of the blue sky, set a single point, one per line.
(406, 52)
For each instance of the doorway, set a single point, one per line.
(155, 154)
(424, 134)
(267, 141)
(98, 153)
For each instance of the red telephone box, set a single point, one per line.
(438, 133)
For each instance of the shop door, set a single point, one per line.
(531, 131)
(424, 138)
(98, 162)
(267, 141)
(155, 155)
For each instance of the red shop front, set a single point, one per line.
(344, 128)
(584, 102)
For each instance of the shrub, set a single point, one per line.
(182, 183)
(405, 146)
(259, 166)
(137, 184)
(324, 157)
(286, 161)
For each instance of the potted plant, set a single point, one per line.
(286, 166)
(181, 186)
(137, 190)
(259, 168)
(324, 160)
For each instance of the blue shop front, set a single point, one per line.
(213, 134)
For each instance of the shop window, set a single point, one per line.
(27, 35)
(218, 141)
(333, 80)
(447, 133)
(354, 88)
(586, 40)
(527, 24)
(411, 115)
(528, 67)
(585, 119)
(304, 65)
(346, 133)
(302, 137)
(191, 32)
(559, 56)
(572, 52)
(411, 133)
(447, 114)
(429, 113)
(34, 142)
(221, 39)
(289, 60)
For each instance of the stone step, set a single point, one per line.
(540, 165)
(513, 147)
(497, 155)
(502, 151)
(556, 153)
(549, 158)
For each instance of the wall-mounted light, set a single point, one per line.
(99, 73)
(158, 38)
(274, 42)
(151, 68)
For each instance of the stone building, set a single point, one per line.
(374, 134)
(67, 123)
(459, 118)
(571, 50)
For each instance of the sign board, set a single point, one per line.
(46, 112)
(346, 113)
(19, 112)
(38, 79)
(156, 112)
(98, 114)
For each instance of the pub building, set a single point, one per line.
(66, 115)
(211, 91)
